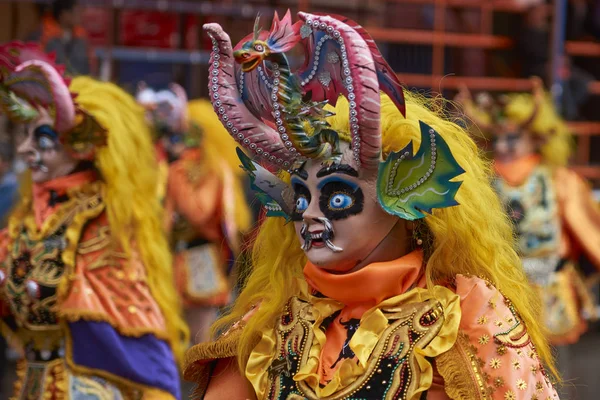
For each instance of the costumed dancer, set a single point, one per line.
(85, 277)
(553, 210)
(396, 277)
(204, 200)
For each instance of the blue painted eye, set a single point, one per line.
(45, 143)
(340, 201)
(301, 204)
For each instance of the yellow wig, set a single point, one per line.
(128, 167)
(473, 238)
(547, 124)
(218, 150)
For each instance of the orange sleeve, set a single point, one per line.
(494, 346)
(580, 215)
(196, 195)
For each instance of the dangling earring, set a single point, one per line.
(419, 241)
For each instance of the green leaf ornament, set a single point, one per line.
(410, 185)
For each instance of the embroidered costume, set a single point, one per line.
(555, 215)
(369, 281)
(82, 278)
(203, 197)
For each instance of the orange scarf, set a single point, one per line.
(516, 172)
(359, 291)
(41, 192)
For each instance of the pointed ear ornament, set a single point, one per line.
(410, 185)
(271, 191)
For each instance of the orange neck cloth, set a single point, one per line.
(44, 204)
(516, 172)
(359, 291)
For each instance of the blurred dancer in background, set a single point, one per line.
(85, 284)
(61, 33)
(556, 218)
(204, 200)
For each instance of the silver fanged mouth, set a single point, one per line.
(325, 236)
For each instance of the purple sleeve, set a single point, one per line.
(145, 360)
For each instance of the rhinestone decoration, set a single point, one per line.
(347, 77)
(305, 31)
(333, 58)
(325, 78)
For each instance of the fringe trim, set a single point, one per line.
(74, 315)
(199, 359)
(463, 379)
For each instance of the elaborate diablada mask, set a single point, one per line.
(35, 92)
(343, 197)
(511, 139)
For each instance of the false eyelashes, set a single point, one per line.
(340, 200)
(302, 199)
(45, 137)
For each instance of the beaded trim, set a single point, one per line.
(354, 128)
(235, 133)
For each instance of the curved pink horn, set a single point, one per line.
(362, 88)
(40, 84)
(249, 131)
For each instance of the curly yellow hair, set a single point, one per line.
(128, 167)
(547, 124)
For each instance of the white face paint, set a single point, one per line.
(42, 151)
(338, 219)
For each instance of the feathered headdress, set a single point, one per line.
(166, 108)
(278, 113)
(30, 79)
(495, 109)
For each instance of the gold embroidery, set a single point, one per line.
(501, 350)
(484, 339)
(521, 384)
(516, 364)
(499, 382)
(509, 395)
(45, 258)
(495, 363)
(295, 335)
(482, 320)
(539, 387)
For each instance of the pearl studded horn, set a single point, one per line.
(360, 86)
(252, 133)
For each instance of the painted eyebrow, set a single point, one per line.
(324, 182)
(296, 181)
(339, 168)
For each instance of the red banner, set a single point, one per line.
(149, 29)
(96, 22)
